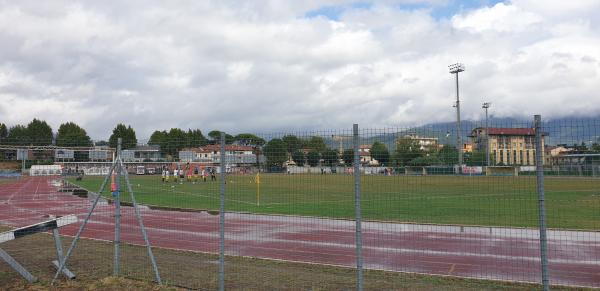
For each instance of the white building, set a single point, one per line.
(141, 154)
(234, 154)
(364, 152)
(425, 143)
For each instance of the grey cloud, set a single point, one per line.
(261, 66)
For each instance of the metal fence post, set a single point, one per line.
(539, 163)
(357, 202)
(117, 199)
(85, 221)
(222, 218)
(138, 216)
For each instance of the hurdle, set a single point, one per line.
(52, 224)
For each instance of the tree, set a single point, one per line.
(596, 148)
(176, 140)
(476, 158)
(101, 143)
(348, 156)
(158, 138)
(313, 158)
(215, 136)
(249, 139)
(299, 158)
(317, 144)
(423, 161)
(330, 157)
(580, 148)
(293, 143)
(276, 153)
(407, 149)
(72, 135)
(40, 133)
(448, 155)
(380, 153)
(195, 138)
(126, 133)
(18, 135)
(3, 131)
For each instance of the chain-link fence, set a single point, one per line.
(340, 209)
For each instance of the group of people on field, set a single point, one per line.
(190, 174)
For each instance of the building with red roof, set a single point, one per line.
(507, 146)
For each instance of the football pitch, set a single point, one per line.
(571, 202)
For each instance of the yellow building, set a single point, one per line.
(507, 146)
(467, 148)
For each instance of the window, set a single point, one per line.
(514, 156)
(521, 157)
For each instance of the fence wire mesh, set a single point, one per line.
(291, 207)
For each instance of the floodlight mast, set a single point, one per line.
(486, 106)
(455, 69)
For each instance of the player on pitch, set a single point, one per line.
(196, 174)
(189, 173)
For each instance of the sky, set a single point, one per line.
(276, 65)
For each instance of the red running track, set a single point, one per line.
(473, 252)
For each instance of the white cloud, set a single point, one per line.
(560, 9)
(501, 18)
(262, 66)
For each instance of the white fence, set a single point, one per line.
(45, 170)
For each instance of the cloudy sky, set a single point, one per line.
(271, 65)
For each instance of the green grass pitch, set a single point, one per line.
(571, 202)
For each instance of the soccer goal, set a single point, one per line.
(415, 171)
(502, 171)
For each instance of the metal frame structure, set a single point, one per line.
(119, 167)
(52, 224)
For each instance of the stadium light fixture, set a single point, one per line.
(455, 69)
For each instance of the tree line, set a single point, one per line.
(313, 151)
(69, 134)
(175, 139)
(39, 133)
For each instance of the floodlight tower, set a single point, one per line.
(486, 106)
(455, 69)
